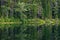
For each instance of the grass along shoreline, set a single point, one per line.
(29, 21)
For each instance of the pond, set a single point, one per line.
(30, 20)
(29, 32)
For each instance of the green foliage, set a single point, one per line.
(39, 19)
(30, 8)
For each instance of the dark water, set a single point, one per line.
(26, 32)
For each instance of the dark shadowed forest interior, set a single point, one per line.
(29, 19)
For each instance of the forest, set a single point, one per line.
(29, 19)
(29, 9)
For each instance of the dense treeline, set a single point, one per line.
(30, 8)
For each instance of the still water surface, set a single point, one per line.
(29, 32)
